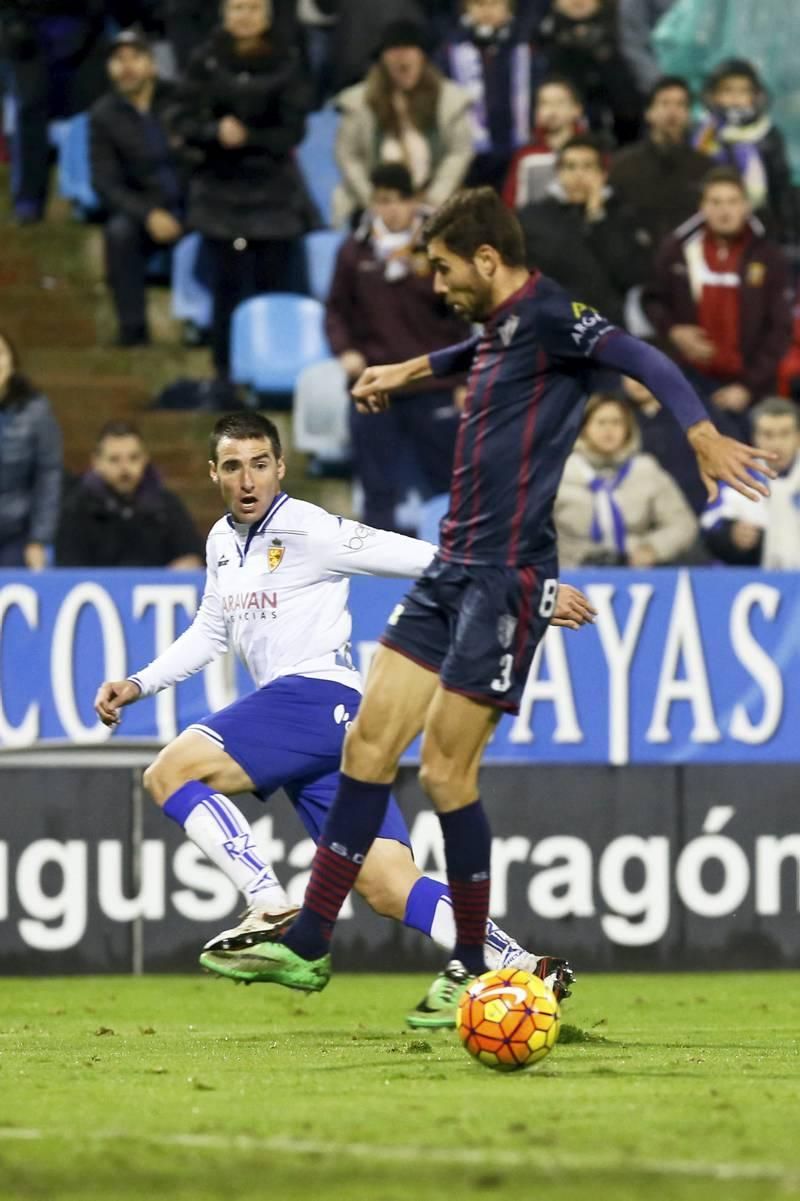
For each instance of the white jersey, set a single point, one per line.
(277, 592)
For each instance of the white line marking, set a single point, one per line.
(456, 1156)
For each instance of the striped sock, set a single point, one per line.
(350, 829)
(468, 852)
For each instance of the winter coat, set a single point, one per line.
(98, 528)
(598, 261)
(255, 191)
(133, 170)
(661, 184)
(765, 313)
(357, 148)
(653, 509)
(387, 318)
(30, 470)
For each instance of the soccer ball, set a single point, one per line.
(508, 1019)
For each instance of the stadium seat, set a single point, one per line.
(273, 337)
(71, 138)
(321, 412)
(321, 249)
(191, 298)
(317, 160)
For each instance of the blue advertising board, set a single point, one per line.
(682, 666)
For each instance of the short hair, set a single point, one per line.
(476, 217)
(584, 141)
(722, 175)
(598, 399)
(244, 424)
(395, 177)
(559, 81)
(118, 428)
(664, 84)
(775, 406)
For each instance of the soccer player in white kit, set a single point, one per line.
(276, 590)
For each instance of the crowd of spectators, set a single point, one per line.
(672, 211)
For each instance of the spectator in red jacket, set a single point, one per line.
(557, 117)
(382, 308)
(720, 299)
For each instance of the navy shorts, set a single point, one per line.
(477, 627)
(289, 735)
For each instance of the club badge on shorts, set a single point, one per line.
(275, 554)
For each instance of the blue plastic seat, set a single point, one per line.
(273, 337)
(191, 298)
(316, 156)
(321, 249)
(74, 168)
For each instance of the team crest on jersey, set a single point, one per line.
(508, 329)
(506, 625)
(275, 554)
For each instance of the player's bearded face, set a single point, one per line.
(248, 475)
(460, 283)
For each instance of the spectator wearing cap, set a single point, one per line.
(407, 112)
(239, 113)
(382, 307)
(487, 56)
(767, 534)
(659, 177)
(30, 466)
(582, 235)
(720, 301)
(55, 50)
(738, 132)
(557, 117)
(136, 175)
(120, 514)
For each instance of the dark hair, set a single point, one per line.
(722, 175)
(733, 68)
(245, 424)
(393, 176)
(19, 389)
(476, 217)
(584, 141)
(664, 84)
(118, 428)
(559, 81)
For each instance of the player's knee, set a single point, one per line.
(367, 754)
(163, 777)
(445, 782)
(382, 896)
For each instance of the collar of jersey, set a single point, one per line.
(259, 527)
(527, 289)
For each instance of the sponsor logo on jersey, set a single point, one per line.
(275, 554)
(508, 329)
(506, 625)
(236, 603)
(223, 562)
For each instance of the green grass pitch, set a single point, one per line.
(190, 1089)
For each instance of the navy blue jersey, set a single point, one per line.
(531, 371)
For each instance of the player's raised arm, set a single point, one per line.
(372, 389)
(581, 332)
(205, 639)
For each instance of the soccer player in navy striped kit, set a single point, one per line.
(457, 650)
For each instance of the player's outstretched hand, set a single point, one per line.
(573, 609)
(723, 459)
(113, 696)
(371, 389)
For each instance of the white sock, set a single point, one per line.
(223, 833)
(499, 948)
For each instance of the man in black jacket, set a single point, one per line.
(660, 176)
(582, 236)
(136, 175)
(120, 514)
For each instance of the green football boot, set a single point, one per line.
(270, 963)
(437, 1009)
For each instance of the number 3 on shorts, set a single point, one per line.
(549, 598)
(503, 681)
